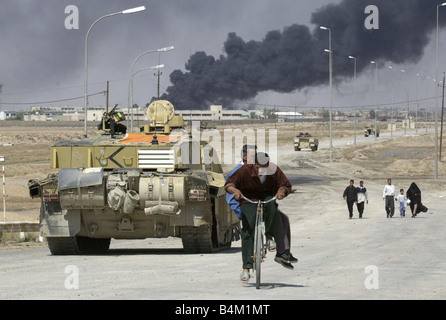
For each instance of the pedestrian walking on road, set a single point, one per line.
(351, 196)
(401, 198)
(362, 198)
(414, 195)
(389, 196)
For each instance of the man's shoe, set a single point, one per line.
(284, 260)
(292, 258)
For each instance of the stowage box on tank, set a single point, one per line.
(146, 185)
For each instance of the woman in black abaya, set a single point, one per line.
(414, 195)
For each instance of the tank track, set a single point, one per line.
(201, 240)
(77, 245)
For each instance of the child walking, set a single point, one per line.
(402, 200)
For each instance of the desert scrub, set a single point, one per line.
(7, 237)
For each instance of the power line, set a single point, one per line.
(339, 107)
(53, 101)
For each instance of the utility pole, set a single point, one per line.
(442, 111)
(106, 101)
(295, 117)
(408, 116)
(1, 86)
(159, 73)
(274, 118)
(2, 160)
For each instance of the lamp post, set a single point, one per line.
(436, 97)
(131, 76)
(376, 85)
(2, 160)
(417, 107)
(1, 88)
(330, 54)
(393, 101)
(133, 10)
(407, 117)
(354, 110)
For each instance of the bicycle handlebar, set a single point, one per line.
(263, 202)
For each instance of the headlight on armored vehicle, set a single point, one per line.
(197, 194)
(50, 195)
(197, 189)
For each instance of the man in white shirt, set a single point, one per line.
(389, 197)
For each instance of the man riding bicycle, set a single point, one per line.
(248, 154)
(260, 181)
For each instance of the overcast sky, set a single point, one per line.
(42, 61)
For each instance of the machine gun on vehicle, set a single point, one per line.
(110, 122)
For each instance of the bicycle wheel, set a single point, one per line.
(258, 251)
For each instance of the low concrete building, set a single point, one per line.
(289, 115)
(215, 113)
(66, 113)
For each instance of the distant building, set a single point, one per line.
(215, 113)
(8, 115)
(69, 113)
(289, 115)
(64, 113)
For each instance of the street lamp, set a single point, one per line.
(131, 79)
(407, 117)
(1, 88)
(2, 160)
(436, 97)
(393, 101)
(418, 105)
(376, 85)
(354, 110)
(330, 54)
(133, 10)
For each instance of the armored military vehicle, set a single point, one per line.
(153, 184)
(305, 141)
(368, 131)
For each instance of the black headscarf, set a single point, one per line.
(413, 192)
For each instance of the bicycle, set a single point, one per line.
(260, 247)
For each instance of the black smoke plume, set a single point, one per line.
(292, 59)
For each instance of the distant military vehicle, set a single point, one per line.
(368, 131)
(154, 184)
(305, 141)
(204, 125)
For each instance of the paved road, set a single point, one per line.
(373, 258)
